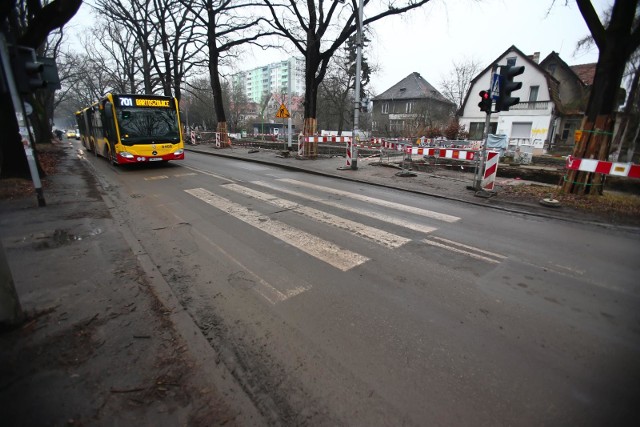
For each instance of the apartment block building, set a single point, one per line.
(272, 79)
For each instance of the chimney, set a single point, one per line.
(536, 57)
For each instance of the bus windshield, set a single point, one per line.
(148, 125)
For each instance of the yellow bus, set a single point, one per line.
(129, 129)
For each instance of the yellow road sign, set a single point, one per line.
(282, 113)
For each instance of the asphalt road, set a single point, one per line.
(340, 303)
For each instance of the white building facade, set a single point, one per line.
(529, 125)
(272, 78)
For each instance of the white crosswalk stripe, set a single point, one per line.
(324, 250)
(399, 206)
(411, 225)
(370, 233)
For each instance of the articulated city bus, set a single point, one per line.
(132, 128)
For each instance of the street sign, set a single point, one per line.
(495, 86)
(282, 113)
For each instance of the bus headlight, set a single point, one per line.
(126, 155)
(179, 152)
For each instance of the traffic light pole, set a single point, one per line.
(18, 107)
(477, 182)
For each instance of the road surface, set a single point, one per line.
(341, 303)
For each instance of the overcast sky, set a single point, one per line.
(444, 31)
(430, 39)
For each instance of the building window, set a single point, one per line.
(476, 130)
(533, 93)
(511, 61)
(521, 130)
(385, 108)
(409, 107)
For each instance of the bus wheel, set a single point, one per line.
(107, 154)
(113, 159)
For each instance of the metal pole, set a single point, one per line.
(289, 143)
(480, 171)
(356, 113)
(18, 107)
(477, 184)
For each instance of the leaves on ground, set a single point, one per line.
(16, 188)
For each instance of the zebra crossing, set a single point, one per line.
(326, 251)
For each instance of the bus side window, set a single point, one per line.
(109, 128)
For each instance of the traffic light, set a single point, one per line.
(27, 71)
(507, 85)
(485, 101)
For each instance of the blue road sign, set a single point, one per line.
(495, 86)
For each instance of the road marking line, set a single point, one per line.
(207, 173)
(324, 250)
(451, 242)
(153, 178)
(264, 288)
(393, 205)
(411, 225)
(180, 175)
(373, 234)
(452, 249)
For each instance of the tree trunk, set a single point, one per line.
(616, 43)
(214, 77)
(593, 144)
(11, 313)
(14, 160)
(225, 141)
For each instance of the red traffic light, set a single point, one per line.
(485, 102)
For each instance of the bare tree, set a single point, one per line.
(457, 83)
(228, 25)
(27, 24)
(616, 42)
(335, 93)
(136, 16)
(331, 22)
(196, 105)
(118, 48)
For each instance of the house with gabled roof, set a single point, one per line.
(552, 101)
(409, 107)
(574, 87)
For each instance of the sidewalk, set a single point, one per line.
(105, 341)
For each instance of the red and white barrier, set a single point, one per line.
(335, 139)
(448, 153)
(193, 137)
(490, 170)
(394, 146)
(628, 170)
